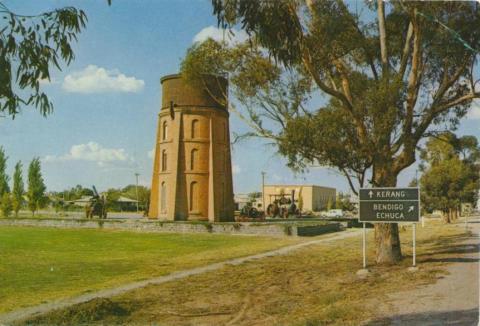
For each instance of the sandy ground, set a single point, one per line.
(452, 300)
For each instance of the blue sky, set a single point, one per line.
(103, 135)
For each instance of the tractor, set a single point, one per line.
(282, 206)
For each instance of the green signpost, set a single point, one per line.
(389, 205)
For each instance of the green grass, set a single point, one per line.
(41, 264)
(316, 285)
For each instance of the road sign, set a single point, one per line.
(389, 205)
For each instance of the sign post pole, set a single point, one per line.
(414, 246)
(364, 247)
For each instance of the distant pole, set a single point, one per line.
(136, 187)
(263, 191)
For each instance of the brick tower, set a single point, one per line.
(192, 171)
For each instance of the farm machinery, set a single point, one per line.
(97, 206)
(282, 205)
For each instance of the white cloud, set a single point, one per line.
(151, 153)
(92, 152)
(236, 169)
(474, 112)
(95, 79)
(220, 35)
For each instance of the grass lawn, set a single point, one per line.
(41, 264)
(312, 286)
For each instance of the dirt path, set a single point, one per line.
(25, 313)
(452, 300)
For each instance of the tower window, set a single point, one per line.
(194, 128)
(193, 196)
(164, 160)
(164, 130)
(193, 158)
(163, 198)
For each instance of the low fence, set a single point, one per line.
(245, 228)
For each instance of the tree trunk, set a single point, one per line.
(387, 240)
(446, 216)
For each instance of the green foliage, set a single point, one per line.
(329, 204)
(18, 188)
(3, 173)
(451, 173)
(254, 196)
(338, 202)
(29, 47)
(130, 191)
(265, 90)
(36, 187)
(74, 193)
(383, 88)
(6, 204)
(300, 202)
(344, 202)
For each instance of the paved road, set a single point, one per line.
(452, 300)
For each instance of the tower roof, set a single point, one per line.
(213, 93)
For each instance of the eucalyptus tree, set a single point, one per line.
(389, 74)
(30, 46)
(451, 173)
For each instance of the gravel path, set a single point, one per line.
(25, 313)
(452, 300)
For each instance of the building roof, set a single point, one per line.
(292, 185)
(84, 199)
(122, 199)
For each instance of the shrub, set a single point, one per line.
(6, 205)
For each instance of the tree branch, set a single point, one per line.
(350, 182)
(382, 35)
(406, 51)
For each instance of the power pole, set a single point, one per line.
(263, 191)
(136, 187)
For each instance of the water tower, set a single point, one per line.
(192, 171)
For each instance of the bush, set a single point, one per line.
(6, 205)
(16, 205)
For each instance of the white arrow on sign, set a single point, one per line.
(411, 208)
(370, 194)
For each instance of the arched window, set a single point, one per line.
(194, 128)
(164, 130)
(164, 160)
(163, 198)
(193, 158)
(193, 196)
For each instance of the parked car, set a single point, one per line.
(334, 213)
